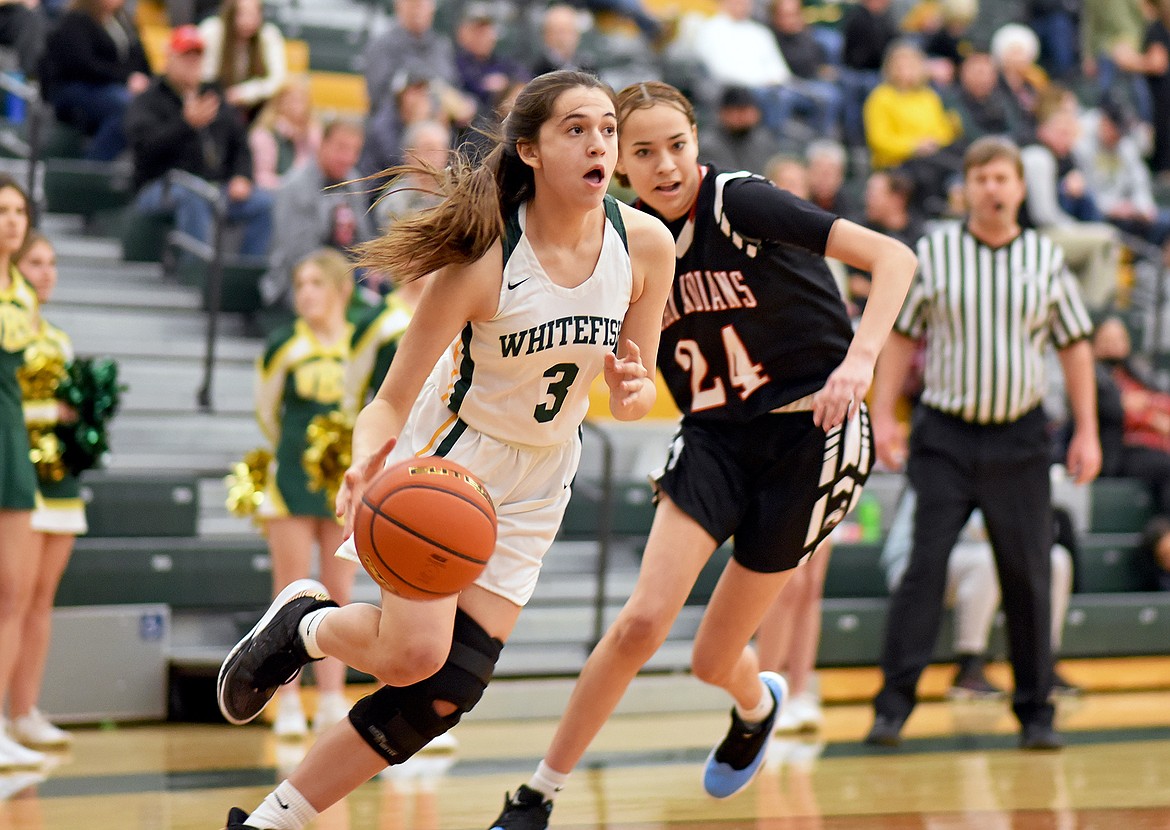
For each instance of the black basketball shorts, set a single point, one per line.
(777, 484)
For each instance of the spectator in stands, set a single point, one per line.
(813, 89)
(1135, 432)
(826, 178)
(561, 28)
(972, 590)
(411, 46)
(23, 29)
(1154, 63)
(93, 66)
(1054, 182)
(1055, 24)
(426, 143)
(285, 135)
(1117, 175)
(318, 206)
(868, 31)
(1015, 49)
(18, 570)
(788, 173)
(984, 107)
(416, 98)
(738, 141)
(1112, 32)
(736, 50)
(907, 125)
(57, 520)
(179, 123)
(300, 377)
(244, 55)
(483, 72)
(887, 199)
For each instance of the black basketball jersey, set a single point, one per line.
(754, 320)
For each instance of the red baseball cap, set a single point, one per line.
(186, 39)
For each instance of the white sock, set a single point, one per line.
(547, 781)
(308, 627)
(283, 809)
(759, 712)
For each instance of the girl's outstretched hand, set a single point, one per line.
(625, 375)
(353, 485)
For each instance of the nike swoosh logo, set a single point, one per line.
(512, 285)
(283, 806)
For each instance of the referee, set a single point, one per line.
(988, 297)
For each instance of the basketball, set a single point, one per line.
(425, 528)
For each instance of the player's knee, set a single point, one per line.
(409, 664)
(711, 668)
(398, 721)
(639, 634)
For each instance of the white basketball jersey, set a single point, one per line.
(523, 376)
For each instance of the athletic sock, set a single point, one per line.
(758, 713)
(308, 627)
(547, 781)
(283, 809)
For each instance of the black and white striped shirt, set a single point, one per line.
(988, 315)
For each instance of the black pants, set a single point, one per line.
(954, 467)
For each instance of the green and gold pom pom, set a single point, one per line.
(246, 483)
(329, 452)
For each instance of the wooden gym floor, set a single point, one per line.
(957, 769)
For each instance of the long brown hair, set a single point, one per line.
(226, 75)
(477, 194)
(7, 182)
(644, 95)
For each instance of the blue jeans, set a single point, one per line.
(193, 215)
(1057, 32)
(819, 101)
(97, 110)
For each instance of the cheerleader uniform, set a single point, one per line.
(375, 341)
(18, 478)
(299, 378)
(59, 508)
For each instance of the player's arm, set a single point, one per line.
(892, 265)
(452, 297)
(271, 374)
(630, 373)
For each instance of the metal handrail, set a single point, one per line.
(213, 254)
(604, 529)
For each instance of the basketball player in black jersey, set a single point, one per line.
(775, 443)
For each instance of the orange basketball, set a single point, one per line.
(425, 528)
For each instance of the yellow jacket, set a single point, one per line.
(898, 121)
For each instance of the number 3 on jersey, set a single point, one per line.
(561, 377)
(744, 373)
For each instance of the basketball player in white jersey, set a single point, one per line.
(538, 283)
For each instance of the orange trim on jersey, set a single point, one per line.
(438, 434)
(446, 396)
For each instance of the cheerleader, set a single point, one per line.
(59, 516)
(18, 479)
(300, 376)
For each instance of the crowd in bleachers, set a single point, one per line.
(889, 89)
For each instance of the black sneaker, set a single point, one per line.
(270, 655)
(733, 764)
(1040, 737)
(236, 819)
(526, 810)
(886, 731)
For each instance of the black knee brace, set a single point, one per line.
(398, 721)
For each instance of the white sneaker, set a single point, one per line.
(801, 714)
(35, 730)
(290, 718)
(15, 756)
(332, 709)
